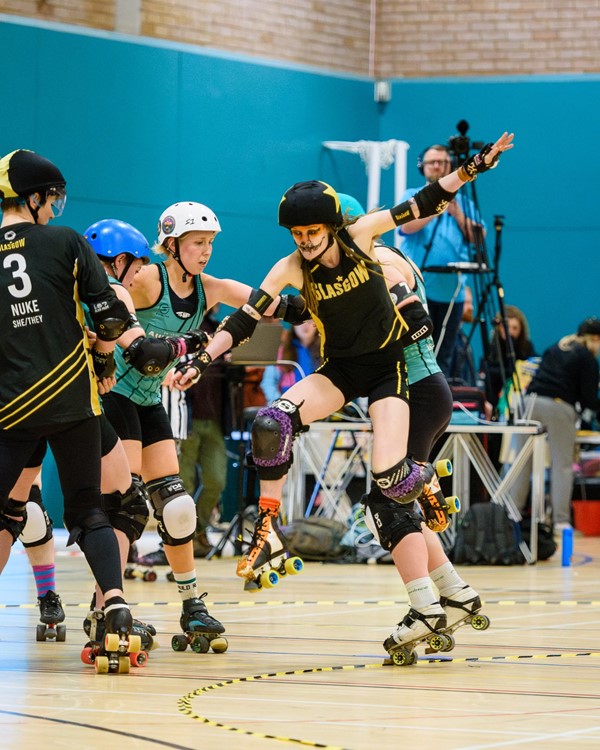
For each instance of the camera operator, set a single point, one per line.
(435, 242)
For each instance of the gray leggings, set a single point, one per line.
(560, 420)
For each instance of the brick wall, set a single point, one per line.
(425, 38)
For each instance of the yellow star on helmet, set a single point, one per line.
(331, 191)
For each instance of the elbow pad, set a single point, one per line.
(292, 308)
(432, 199)
(418, 321)
(111, 319)
(151, 356)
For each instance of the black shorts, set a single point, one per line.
(108, 438)
(430, 412)
(376, 375)
(145, 424)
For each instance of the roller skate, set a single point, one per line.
(51, 615)
(143, 567)
(416, 627)
(267, 557)
(462, 609)
(94, 627)
(200, 631)
(437, 508)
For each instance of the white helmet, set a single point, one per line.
(180, 218)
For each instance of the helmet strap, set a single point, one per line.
(176, 256)
(35, 209)
(320, 255)
(130, 259)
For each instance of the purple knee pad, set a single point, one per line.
(402, 483)
(272, 437)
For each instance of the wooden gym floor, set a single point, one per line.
(304, 665)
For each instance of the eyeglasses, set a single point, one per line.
(439, 162)
(60, 200)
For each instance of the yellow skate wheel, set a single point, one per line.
(135, 644)
(124, 665)
(404, 657)
(443, 468)
(438, 642)
(101, 664)
(450, 642)
(268, 579)
(480, 622)
(293, 565)
(219, 645)
(111, 642)
(453, 504)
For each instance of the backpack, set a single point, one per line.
(317, 539)
(487, 536)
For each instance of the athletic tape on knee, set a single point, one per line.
(38, 528)
(402, 483)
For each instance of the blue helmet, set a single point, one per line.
(111, 237)
(351, 208)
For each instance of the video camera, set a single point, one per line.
(461, 145)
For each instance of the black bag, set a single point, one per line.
(545, 538)
(317, 539)
(487, 536)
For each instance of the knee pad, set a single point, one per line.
(389, 521)
(38, 529)
(273, 433)
(128, 511)
(14, 527)
(174, 510)
(402, 483)
(83, 514)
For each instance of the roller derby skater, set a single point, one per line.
(267, 557)
(51, 615)
(200, 631)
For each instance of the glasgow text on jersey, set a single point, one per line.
(4, 246)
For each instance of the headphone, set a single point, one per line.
(437, 147)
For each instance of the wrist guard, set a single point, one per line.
(432, 199)
(292, 308)
(194, 341)
(475, 164)
(200, 364)
(104, 364)
(418, 321)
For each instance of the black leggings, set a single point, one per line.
(430, 412)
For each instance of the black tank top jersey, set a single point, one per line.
(45, 368)
(355, 313)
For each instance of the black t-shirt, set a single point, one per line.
(570, 374)
(46, 375)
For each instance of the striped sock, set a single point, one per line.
(44, 578)
(186, 585)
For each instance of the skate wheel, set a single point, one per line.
(450, 644)
(412, 659)
(150, 575)
(269, 579)
(138, 659)
(128, 573)
(480, 622)
(453, 504)
(124, 664)
(111, 642)
(219, 645)
(403, 657)
(61, 633)
(88, 655)
(101, 664)
(40, 632)
(438, 642)
(293, 565)
(443, 468)
(135, 644)
(200, 644)
(179, 643)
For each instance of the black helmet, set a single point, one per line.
(25, 172)
(311, 202)
(589, 326)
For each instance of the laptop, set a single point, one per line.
(262, 347)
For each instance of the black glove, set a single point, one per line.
(195, 341)
(201, 363)
(104, 364)
(475, 164)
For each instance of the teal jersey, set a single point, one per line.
(420, 356)
(159, 320)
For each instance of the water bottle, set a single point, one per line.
(567, 547)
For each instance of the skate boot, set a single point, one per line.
(200, 631)
(120, 647)
(267, 557)
(462, 609)
(51, 614)
(140, 641)
(436, 508)
(416, 627)
(142, 567)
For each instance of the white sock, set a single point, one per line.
(447, 580)
(420, 593)
(186, 584)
